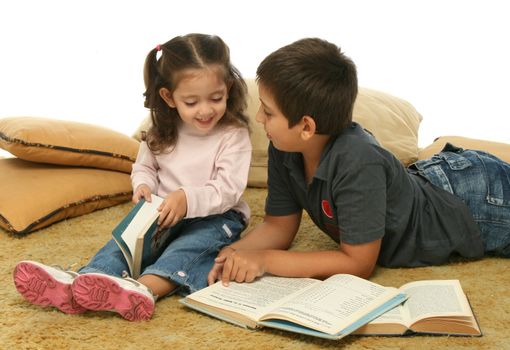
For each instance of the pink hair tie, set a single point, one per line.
(158, 52)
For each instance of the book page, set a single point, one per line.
(435, 298)
(392, 322)
(141, 222)
(334, 304)
(396, 315)
(251, 299)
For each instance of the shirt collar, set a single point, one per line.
(294, 162)
(322, 170)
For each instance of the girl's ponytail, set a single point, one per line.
(163, 130)
(150, 75)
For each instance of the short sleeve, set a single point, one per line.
(280, 198)
(360, 198)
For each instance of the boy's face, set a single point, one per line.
(276, 124)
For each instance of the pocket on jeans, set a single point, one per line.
(456, 161)
(432, 170)
(498, 180)
(229, 227)
(445, 167)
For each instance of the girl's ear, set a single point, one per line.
(308, 127)
(166, 95)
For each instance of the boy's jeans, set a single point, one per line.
(188, 258)
(482, 181)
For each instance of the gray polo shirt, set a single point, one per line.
(361, 192)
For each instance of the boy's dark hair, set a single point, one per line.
(312, 77)
(184, 52)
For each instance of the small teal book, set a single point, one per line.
(329, 309)
(138, 235)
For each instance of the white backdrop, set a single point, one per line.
(82, 60)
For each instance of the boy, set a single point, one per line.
(354, 190)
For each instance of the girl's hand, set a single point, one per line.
(142, 191)
(243, 266)
(173, 209)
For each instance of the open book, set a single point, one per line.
(328, 309)
(137, 234)
(433, 307)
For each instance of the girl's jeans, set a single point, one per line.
(482, 181)
(188, 258)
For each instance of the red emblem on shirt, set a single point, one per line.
(326, 208)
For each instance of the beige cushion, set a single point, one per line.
(393, 121)
(68, 143)
(500, 150)
(34, 195)
(257, 177)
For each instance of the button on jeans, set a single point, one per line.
(482, 181)
(188, 258)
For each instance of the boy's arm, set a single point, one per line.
(275, 232)
(359, 260)
(248, 259)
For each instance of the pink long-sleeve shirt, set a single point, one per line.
(212, 169)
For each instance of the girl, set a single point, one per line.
(196, 156)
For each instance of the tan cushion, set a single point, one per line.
(68, 143)
(257, 177)
(393, 121)
(34, 195)
(500, 150)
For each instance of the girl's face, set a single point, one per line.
(200, 98)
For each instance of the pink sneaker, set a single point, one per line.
(46, 286)
(96, 291)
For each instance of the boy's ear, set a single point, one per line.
(166, 95)
(308, 127)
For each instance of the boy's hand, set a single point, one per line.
(217, 269)
(142, 191)
(173, 209)
(243, 266)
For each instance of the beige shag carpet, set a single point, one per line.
(73, 242)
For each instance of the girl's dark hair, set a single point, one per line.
(184, 52)
(312, 77)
